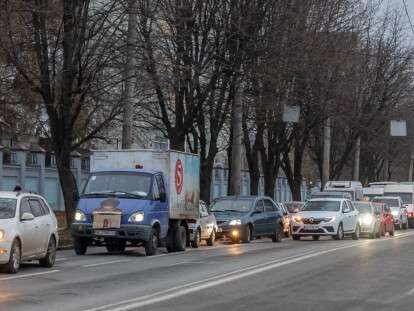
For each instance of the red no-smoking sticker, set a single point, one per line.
(179, 176)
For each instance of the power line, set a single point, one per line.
(408, 15)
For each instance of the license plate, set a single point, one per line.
(105, 232)
(311, 227)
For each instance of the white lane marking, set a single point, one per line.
(28, 275)
(186, 289)
(106, 263)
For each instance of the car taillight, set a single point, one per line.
(410, 214)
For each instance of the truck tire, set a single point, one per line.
(180, 239)
(80, 246)
(151, 245)
(196, 242)
(169, 242)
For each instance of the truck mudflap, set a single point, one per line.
(127, 232)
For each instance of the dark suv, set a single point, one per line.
(243, 217)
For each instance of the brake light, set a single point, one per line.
(410, 214)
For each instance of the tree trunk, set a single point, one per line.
(269, 185)
(297, 174)
(206, 177)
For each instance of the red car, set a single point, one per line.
(387, 220)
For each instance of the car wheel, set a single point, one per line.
(152, 244)
(405, 227)
(296, 237)
(247, 235)
(180, 239)
(196, 242)
(13, 265)
(212, 238)
(80, 246)
(392, 232)
(357, 232)
(315, 237)
(115, 246)
(340, 233)
(49, 260)
(378, 234)
(277, 235)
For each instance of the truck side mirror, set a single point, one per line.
(163, 197)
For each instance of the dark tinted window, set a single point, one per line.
(45, 208)
(36, 207)
(268, 206)
(160, 183)
(25, 207)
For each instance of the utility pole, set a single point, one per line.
(326, 166)
(237, 148)
(130, 79)
(357, 159)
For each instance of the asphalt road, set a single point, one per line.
(292, 275)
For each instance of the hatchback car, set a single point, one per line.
(386, 218)
(324, 217)
(205, 228)
(399, 212)
(244, 217)
(28, 231)
(369, 219)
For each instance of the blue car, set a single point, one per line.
(244, 217)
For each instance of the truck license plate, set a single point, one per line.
(105, 232)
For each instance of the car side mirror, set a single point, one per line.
(163, 197)
(27, 217)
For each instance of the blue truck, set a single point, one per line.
(146, 198)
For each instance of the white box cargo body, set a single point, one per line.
(181, 174)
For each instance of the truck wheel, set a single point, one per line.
(80, 246)
(212, 238)
(180, 239)
(169, 243)
(196, 242)
(152, 243)
(116, 246)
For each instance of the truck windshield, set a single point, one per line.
(7, 208)
(406, 198)
(124, 183)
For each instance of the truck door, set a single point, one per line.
(160, 204)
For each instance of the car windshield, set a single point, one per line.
(363, 208)
(119, 184)
(406, 198)
(237, 205)
(293, 207)
(322, 206)
(390, 202)
(7, 208)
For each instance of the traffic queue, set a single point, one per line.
(150, 198)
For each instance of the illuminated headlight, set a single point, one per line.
(80, 216)
(136, 217)
(328, 219)
(2, 234)
(297, 219)
(235, 222)
(394, 213)
(367, 220)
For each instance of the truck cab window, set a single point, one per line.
(156, 191)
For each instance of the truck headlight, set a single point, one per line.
(235, 222)
(2, 234)
(136, 217)
(367, 220)
(80, 216)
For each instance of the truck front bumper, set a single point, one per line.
(140, 233)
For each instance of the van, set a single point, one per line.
(354, 188)
(372, 192)
(406, 193)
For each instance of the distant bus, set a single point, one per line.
(354, 188)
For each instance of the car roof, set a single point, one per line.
(242, 197)
(328, 199)
(17, 194)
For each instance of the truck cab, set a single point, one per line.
(136, 206)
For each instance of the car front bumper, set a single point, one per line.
(227, 230)
(317, 229)
(140, 233)
(5, 252)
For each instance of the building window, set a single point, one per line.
(13, 158)
(31, 158)
(85, 164)
(52, 160)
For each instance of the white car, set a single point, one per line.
(329, 217)
(28, 231)
(205, 228)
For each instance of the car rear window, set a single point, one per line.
(389, 202)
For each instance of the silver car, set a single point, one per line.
(205, 228)
(28, 231)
